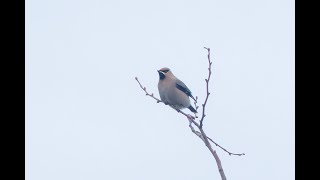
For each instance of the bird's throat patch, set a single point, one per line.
(161, 76)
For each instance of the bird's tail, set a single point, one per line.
(192, 109)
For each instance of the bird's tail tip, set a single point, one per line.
(192, 109)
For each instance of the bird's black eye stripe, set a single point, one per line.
(165, 71)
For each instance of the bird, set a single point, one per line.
(173, 91)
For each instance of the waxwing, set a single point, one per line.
(173, 91)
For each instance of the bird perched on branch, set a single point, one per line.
(173, 91)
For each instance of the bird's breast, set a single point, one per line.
(169, 93)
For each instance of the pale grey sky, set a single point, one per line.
(87, 118)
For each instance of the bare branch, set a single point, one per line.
(207, 86)
(201, 134)
(204, 138)
(216, 157)
(147, 94)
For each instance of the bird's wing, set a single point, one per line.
(182, 87)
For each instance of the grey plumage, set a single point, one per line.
(173, 91)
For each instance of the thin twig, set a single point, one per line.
(147, 94)
(207, 87)
(196, 106)
(230, 153)
(195, 103)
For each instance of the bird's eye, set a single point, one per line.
(165, 71)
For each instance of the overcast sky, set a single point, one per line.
(87, 118)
